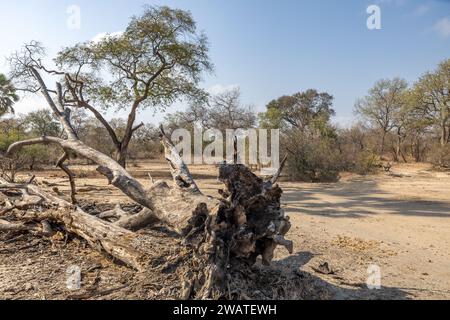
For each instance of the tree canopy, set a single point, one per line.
(157, 60)
(432, 99)
(8, 96)
(299, 110)
(221, 111)
(383, 105)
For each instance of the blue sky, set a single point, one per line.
(268, 48)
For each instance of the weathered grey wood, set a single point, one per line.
(223, 235)
(102, 235)
(60, 164)
(137, 221)
(180, 172)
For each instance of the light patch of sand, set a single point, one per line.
(400, 223)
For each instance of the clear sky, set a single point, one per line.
(268, 48)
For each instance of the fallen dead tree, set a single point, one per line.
(212, 240)
(217, 236)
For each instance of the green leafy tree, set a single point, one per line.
(271, 119)
(156, 61)
(8, 96)
(300, 110)
(42, 123)
(432, 99)
(306, 134)
(386, 99)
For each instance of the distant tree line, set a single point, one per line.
(160, 59)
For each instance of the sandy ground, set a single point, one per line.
(399, 223)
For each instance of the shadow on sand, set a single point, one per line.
(353, 202)
(303, 285)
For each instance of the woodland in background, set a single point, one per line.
(397, 123)
(210, 243)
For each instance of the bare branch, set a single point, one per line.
(178, 168)
(116, 174)
(70, 175)
(138, 127)
(277, 175)
(9, 226)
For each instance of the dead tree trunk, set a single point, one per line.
(218, 237)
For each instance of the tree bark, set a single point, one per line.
(219, 238)
(383, 142)
(444, 136)
(224, 235)
(70, 175)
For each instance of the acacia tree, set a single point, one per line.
(42, 123)
(381, 106)
(432, 95)
(306, 133)
(299, 110)
(8, 96)
(157, 60)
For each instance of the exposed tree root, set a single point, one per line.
(206, 259)
(211, 240)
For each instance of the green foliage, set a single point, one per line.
(299, 110)
(157, 60)
(30, 158)
(383, 107)
(367, 162)
(306, 134)
(42, 123)
(313, 159)
(431, 98)
(271, 119)
(5, 141)
(8, 96)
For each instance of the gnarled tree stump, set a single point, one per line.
(213, 238)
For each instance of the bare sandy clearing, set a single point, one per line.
(400, 223)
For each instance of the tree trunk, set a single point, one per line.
(444, 134)
(395, 153)
(121, 157)
(217, 238)
(448, 134)
(383, 141)
(222, 237)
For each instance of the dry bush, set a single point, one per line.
(9, 166)
(367, 162)
(31, 158)
(314, 160)
(439, 156)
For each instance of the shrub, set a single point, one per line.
(367, 162)
(439, 156)
(314, 160)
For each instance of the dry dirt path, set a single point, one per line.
(400, 223)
